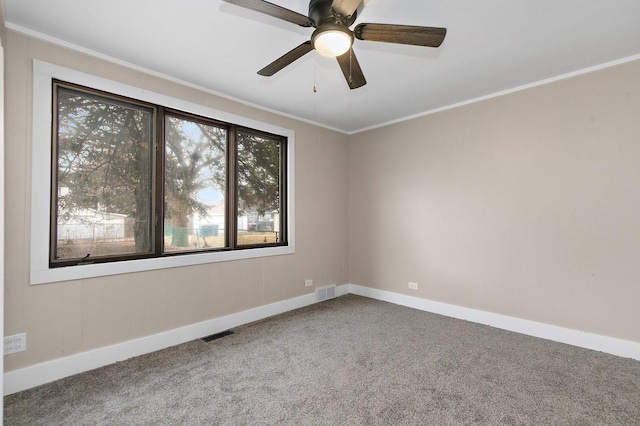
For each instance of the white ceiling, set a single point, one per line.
(491, 46)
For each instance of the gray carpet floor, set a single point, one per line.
(348, 361)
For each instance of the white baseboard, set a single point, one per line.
(39, 374)
(611, 345)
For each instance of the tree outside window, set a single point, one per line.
(118, 195)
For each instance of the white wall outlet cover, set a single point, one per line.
(15, 343)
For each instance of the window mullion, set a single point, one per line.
(283, 193)
(232, 194)
(159, 173)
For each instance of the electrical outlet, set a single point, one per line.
(308, 283)
(413, 286)
(15, 343)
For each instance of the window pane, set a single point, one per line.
(195, 181)
(258, 170)
(103, 187)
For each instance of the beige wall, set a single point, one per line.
(64, 318)
(526, 205)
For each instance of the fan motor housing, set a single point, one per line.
(320, 12)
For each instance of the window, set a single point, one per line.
(133, 180)
(102, 203)
(258, 188)
(195, 209)
(44, 187)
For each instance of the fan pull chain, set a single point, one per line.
(315, 56)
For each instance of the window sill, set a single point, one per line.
(41, 276)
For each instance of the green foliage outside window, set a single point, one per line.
(110, 175)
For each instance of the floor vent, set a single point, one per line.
(217, 336)
(325, 293)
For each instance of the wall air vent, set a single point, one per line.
(217, 336)
(325, 293)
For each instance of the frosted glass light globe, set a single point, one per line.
(332, 43)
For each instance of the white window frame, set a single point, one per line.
(41, 273)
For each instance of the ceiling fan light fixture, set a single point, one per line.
(332, 40)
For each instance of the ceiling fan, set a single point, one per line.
(333, 38)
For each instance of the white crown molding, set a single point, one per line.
(50, 39)
(503, 92)
(54, 40)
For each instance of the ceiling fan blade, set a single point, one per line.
(351, 70)
(286, 59)
(345, 7)
(273, 10)
(401, 34)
